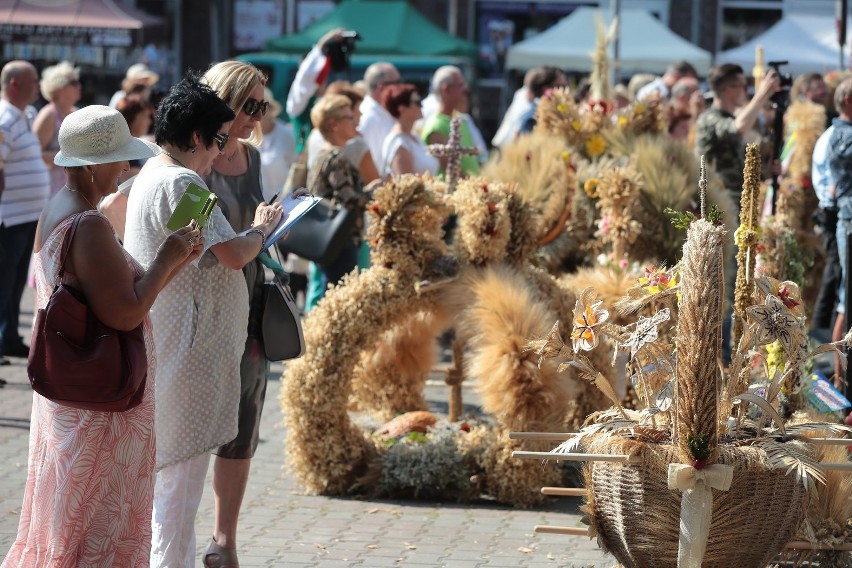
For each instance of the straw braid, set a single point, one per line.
(699, 339)
(746, 237)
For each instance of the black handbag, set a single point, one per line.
(320, 234)
(281, 326)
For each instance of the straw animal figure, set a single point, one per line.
(486, 290)
(540, 168)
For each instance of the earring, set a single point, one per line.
(93, 177)
(193, 149)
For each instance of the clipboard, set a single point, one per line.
(196, 203)
(294, 209)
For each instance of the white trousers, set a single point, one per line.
(177, 495)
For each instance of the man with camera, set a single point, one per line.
(721, 129)
(310, 83)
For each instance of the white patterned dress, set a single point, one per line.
(90, 475)
(199, 322)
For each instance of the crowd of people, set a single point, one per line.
(124, 488)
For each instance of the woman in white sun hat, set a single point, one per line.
(90, 475)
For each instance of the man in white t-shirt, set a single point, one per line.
(376, 122)
(25, 187)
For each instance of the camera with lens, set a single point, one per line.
(340, 49)
(785, 79)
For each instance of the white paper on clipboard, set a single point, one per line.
(294, 209)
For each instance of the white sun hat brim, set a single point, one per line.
(99, 135)
(135, 149)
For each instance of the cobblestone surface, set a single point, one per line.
(280, 526)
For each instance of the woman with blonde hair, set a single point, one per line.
(334, 177)
(356, 150)
(236, 180)
(60, 86)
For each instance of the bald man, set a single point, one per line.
(376, 122)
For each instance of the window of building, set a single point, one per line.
(744, 19)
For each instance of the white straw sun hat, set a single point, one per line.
(140, 73)
(99, 135)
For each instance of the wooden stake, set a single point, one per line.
(572, 531)
(562, 436)
(547, 436)
(793, 545)
(805, 545)
(829, 441)
(552, 456)
(564, 491)
(454, 378)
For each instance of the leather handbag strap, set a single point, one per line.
(66, 244)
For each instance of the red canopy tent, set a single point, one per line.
(98, 33)
(74, 13)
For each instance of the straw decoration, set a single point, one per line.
(699, 343)
(746, 238)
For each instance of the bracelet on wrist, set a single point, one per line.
(259, 232)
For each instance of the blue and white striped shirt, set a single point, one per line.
(27, 180)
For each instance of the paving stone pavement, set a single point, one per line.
(281, 526)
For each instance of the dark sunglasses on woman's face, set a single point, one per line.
(221, 139)
(252, 107)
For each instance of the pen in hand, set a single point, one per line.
(272, 199)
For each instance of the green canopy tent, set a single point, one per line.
(390, 28)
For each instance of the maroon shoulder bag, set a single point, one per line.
(76, 360)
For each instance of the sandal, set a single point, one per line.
(217, 557)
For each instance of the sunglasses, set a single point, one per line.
(252, 107)
(221, 139)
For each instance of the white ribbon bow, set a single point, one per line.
(696, 507)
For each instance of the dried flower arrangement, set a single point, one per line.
(598, 139)
(692, 434)
(491, 295)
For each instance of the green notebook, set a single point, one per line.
(197, 203)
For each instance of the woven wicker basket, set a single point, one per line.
(636, 516)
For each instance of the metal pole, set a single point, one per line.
(848, 307)
(290, 27)
(841, 13)
(177, 42)
(616, 17)
(453, 17)
(695, 27)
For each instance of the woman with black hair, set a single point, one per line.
(199, 318)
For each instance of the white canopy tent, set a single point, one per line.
(645, 45)
(808, 42)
